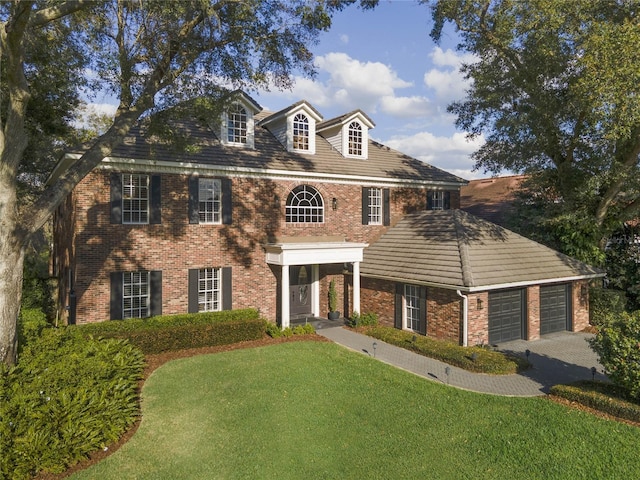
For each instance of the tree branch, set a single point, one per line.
(47, 15)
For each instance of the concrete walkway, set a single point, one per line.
(558, 358)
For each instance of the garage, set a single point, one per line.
(554, 309)
(506, 315)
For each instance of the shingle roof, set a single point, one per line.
(455, 249)
(383, 163)
(491, 198)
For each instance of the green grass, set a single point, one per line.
(310, 410)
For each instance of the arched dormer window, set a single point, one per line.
(300, 132)
(355, 139)
(304, 205)
(237, 124)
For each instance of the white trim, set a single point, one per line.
(160, 166)
(320, 253)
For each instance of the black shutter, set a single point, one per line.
(155, 285)
(447, 201)
(422, 324)
(115, 302)
(227, 204)
(365, 206)
(227, 289)
(116, 198)
(386, 207)
(398, 305)
(155, 210)
(429, 200)
(194, 201)
(193, 291)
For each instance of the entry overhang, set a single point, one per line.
(317, 250)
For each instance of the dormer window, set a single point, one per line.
(355, 139)
(237, 124)
(237, 121)
(300, 132)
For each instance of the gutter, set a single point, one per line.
(465, 318)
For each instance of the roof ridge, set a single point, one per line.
(463, 248)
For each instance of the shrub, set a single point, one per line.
(67, 397)
(275, 331)
(600, 396)
(176, 332)
(605, 305)
(618, 347)
(475, 359)
(364, 320)
(30, 325)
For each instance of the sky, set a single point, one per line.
(384, 63)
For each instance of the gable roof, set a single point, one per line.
(301, 105)
(490, 198)
(454, 249)
(383, 166)
(347, 117)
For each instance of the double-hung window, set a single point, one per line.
(300, 132)
(412, 306)
(210, 200)
(135, 294)
(135, 198)
(237, 124)
(438, 200)
(375, 206)
(355, 139)
(209, 290)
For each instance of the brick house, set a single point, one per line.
(261, 210)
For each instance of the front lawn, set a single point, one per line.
(316, 410)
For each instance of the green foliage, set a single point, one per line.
(605, 305)
(618, 347)
(175, 332)
(333, 296)
(474, 359)
(552, 101)
(30, 325)
(365, 320)
(67, 397)
(623, 267)
(275, 331)
(603, 397)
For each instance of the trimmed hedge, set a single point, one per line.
(604, 397)
(474, 359)
(68, 396)
(177, 332)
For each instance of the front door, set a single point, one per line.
(300, 290)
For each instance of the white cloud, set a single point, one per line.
(452, 154)
(406, 107)
(450, 58)
(446, 81)
(344, 38)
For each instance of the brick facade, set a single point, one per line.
(89, 247)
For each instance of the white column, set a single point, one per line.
(315, 290)
(356, 287)
(284, 297)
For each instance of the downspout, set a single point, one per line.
(465, 317)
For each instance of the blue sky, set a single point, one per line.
(384, 63)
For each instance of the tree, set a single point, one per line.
(555, 90)
(153, 56)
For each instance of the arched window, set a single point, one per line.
(237, 124)
(300, 132)
(304, 205)
(355, 139)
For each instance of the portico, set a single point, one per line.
(290, 252)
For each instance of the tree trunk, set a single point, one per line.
(11, 264)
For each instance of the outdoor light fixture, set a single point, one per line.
(527, 352)
(276, 201)
(334, 203)
(447, 371)
(593, 373)
(374, 349)
(479, 303)
(474, 356)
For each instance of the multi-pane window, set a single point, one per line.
(300, 132)
(412, 306)
(375, 206)
(304, 205)
(135, 294)
(437, 200)
(237, 124)
(355, 138)
(209, 200)
(209, 290)
(135, 198)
